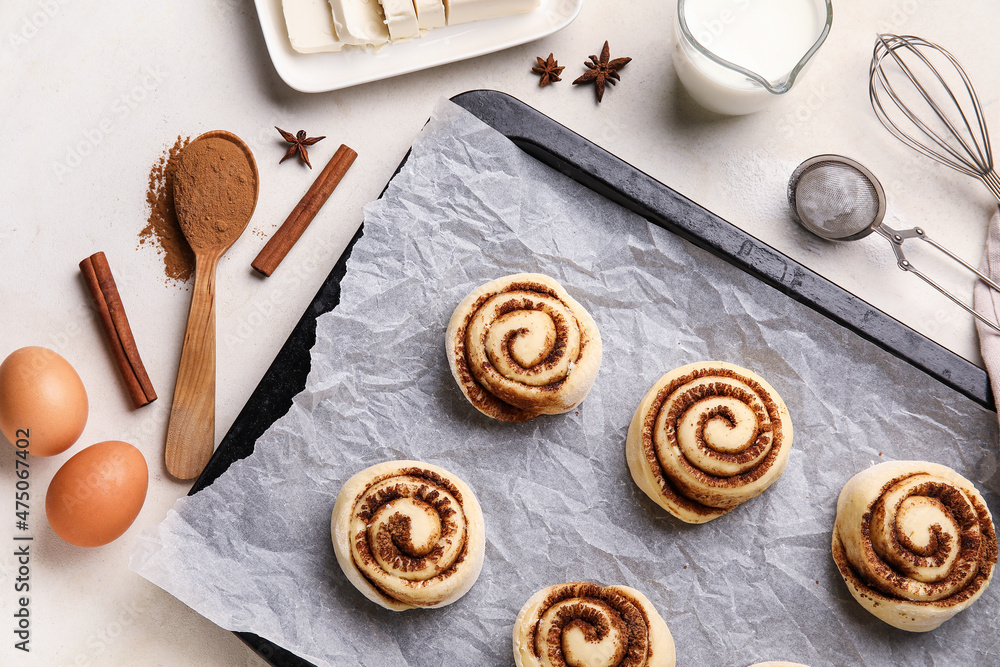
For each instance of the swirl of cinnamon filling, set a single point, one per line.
(520, 346)
(707, 437)
(915, 543)
(408, 534)
(586, 624)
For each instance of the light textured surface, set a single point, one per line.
(92, 94)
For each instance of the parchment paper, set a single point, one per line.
(252, 552)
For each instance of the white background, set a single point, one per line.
(92, 94)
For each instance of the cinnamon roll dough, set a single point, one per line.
(408, 534)
(707, 437)
(586, 624)
(521, 346)
(915, 543)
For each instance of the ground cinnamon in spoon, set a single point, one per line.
(214, 192)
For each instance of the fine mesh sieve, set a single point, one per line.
(837, 198)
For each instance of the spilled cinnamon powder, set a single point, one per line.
(162, 231)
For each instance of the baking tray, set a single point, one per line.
(590, 165)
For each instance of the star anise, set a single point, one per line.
(549, 70)
(298, 142)
(603, 71)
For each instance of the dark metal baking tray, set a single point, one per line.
(592, 166)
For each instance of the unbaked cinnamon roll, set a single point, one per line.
(915, 543)
(587, 624)
(408, 534)
(520, 346)
(707, 437)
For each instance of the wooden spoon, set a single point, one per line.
(215, 192)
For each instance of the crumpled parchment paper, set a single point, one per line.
(253, 553)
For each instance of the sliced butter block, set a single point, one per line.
(463, 11)
(400, 19)
(430, 13)
(359, 22)
(310, 26)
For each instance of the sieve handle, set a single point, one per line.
(897, 237)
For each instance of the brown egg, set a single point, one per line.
(97, 494)
(42, 401)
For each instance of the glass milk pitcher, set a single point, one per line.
(737, 56)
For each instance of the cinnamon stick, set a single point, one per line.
(101, 284)
(291, 229)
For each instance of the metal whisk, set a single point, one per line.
(921, 94)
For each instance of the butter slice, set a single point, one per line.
(400, 19)
(310, 26)
(359, 22)
(430, 13)
(463, 11)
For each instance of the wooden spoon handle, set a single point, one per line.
(191, 430)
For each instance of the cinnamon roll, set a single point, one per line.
(707, 437)
(915, 543)
(587, 624)
(520, 346)
(408, 534)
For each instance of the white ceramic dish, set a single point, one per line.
(318, 72)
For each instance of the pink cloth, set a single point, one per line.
(987, 302)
